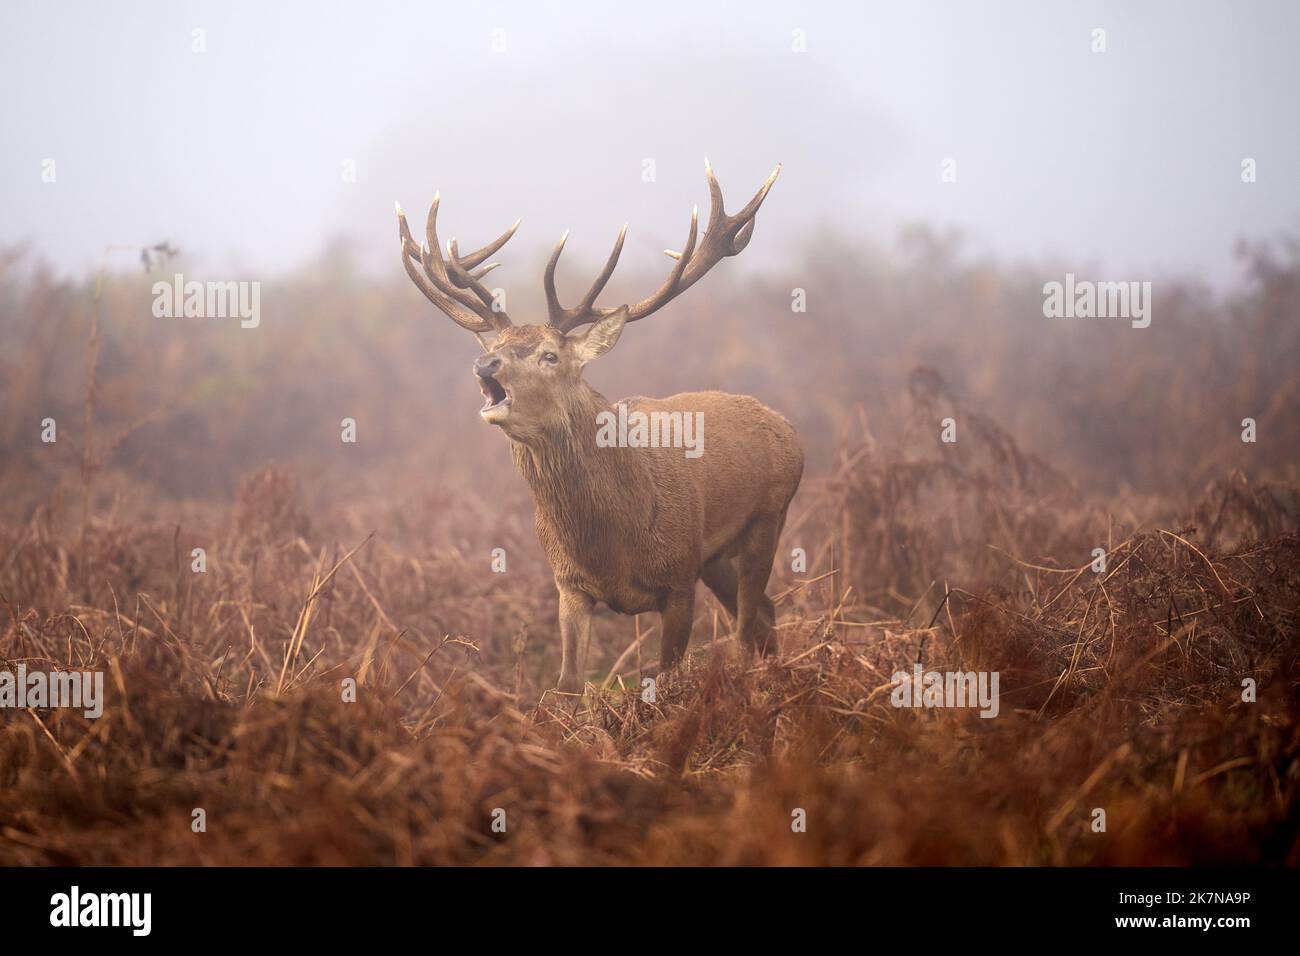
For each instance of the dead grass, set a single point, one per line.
(1120, 689)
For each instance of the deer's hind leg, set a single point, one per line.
(719, 575)
(757, 613)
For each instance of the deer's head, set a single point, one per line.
(530, 374)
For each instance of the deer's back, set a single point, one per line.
(751, 463)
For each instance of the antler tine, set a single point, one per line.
(598, 286)
(751, 207)
(671, 286)
(716, 212)
(464, 277)
(474, 258)
(725, 236)
(553, 307)
(454, 310)
(566, 319)
(456, 297)
(452, 287)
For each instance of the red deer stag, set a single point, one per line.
(630, 523)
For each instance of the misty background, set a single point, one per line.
(268, 143)
(1123, 164)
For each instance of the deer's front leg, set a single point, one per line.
(575, 635)
(675, 619)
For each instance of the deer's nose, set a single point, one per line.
(485, 366)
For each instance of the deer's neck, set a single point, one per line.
(591, 498)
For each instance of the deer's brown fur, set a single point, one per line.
(631, 527)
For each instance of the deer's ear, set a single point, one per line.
(601, 337)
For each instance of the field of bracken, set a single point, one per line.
(1161, 690)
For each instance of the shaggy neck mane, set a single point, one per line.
(595, 499)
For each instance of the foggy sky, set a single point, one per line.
(1121, 163)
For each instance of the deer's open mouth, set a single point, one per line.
(497, 399)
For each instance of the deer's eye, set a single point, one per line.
(550, 358)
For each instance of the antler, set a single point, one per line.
(725, 236)
(457, 292)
